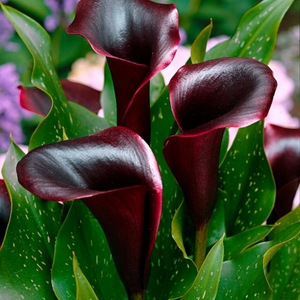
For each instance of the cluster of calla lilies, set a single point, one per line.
(114, 171)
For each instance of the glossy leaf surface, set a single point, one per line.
(27, 251)
(81, 234)
(284, 267)
(246, 179)
(250, 265)
(45, 78)
(83, 288)
(207, 280)
(256, 32)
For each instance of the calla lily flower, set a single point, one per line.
(38, 102)
(205, 99)
(282, 147)
(116, 175)
(5, 207)
(139, 38)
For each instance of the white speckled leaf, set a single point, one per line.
(241, 241)
(171, 273)
(284, 269)
(76, 120)
(244, 276)
(207, 280)
(256, 32)
(81, 234)
(246, 179)
(27, 252)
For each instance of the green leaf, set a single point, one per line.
(244, 276)
(27, 251)
(284, 268)
(82, 234)
(246, 179)
(198, 48)
(239, 242)
(171, 274)
(178, 228)
(84, 291)
(76, 120)
(206, 283)
(256, 33)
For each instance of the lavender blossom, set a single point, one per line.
(61, 11)
(6, 33)
(10, 111)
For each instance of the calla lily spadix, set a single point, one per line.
(205, 99)
(139, 38)
(116, 175)
(282, 146)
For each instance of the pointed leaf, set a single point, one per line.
(247, 180)
(27, 251)
(244, 276)
(283, 274)
(198, 48)
(206, 283)
(45, 78)
(83, 287)
(256, 32)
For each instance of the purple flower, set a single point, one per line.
(115, 174)
(11, 113)
(205, 99)
(6, 32)
(61, 10)
(139, 39)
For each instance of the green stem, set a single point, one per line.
(200, 245)
(136, 296)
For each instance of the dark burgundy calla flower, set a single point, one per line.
(116, 175)
(139, 39)
(205, 99)
(38, 102)
(4, 209)
(282, 146)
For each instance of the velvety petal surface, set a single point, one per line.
(139, 38)
(224, 92)
(205, 99)
(38, 102)
(282, 146)
(115, 173)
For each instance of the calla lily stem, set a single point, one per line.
(138, 296)
(200, 245)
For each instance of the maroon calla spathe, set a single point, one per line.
(38, 102)
(139, 39)
(5, 207)
(282, 147)
(205, 99)
(116, 175)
